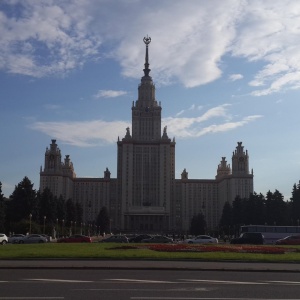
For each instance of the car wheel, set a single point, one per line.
(4, 242)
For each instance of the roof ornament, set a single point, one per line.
(147, 41)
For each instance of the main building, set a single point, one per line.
(145, 196)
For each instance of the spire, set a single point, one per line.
(147, 41)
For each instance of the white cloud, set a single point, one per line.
(46, 38)
(83, 134)
(98, 132)
(234, 77)
(109, 94)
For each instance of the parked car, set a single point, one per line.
(48, 237)
(118, 238)
(289, 240)
(76, 238)
(33, 238)
(160, 239)
(3, 239)
(16, 238)
(202, 239)
(139, 238)
(255, 238)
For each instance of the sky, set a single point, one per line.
(225, 71)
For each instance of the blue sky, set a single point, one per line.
(225, 71)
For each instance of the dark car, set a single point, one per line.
(115, 239)
(76, 238)
(139, 238)
(255, 238)
(289, 240)
(160, 239)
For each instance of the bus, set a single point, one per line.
(272, 233)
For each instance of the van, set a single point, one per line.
(254, 238)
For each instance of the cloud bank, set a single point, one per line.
(97, 132)
(191, 39)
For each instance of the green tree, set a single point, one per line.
(103, 220)
(226, 218)
(23, 202)
(47, 207)
(78, 212)
(295, 203)
(238, 207)
(70, 212)
(276, 209)
(2, 210)
(60, 208)
(254, 211)
(198, 224)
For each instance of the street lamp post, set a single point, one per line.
(44, 224)
(30, 216)
(71, 227)
(63, 227)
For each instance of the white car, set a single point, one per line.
(16, 238)
(202, 239)
(3, 239)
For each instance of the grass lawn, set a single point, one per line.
(157, 252)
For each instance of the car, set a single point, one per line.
(159, 239)
(118, 238)
(254, 238)
(33, 238)
(139, 238)
(76, 238)
(202, 239)
(289, 240)
(48, 237)
(16, 238)
(3, 239)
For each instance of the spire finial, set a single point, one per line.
(147, 41)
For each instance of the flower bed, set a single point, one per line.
(217, 248)
(209, 248)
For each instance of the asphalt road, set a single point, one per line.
(150, 264)
(141, 284)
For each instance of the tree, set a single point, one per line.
(276, 209)
(103, 220)
(23, 202)
(254, 211)
(238, 208)
(226, 218)
(70, 212)
(2, 210)
(295, 203)
(198, 224)
(47, 206)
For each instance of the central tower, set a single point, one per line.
(146, 163)
(146, 113)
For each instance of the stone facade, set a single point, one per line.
(145, 196)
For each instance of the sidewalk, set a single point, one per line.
(149, 264)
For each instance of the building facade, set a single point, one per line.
(145, 196)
